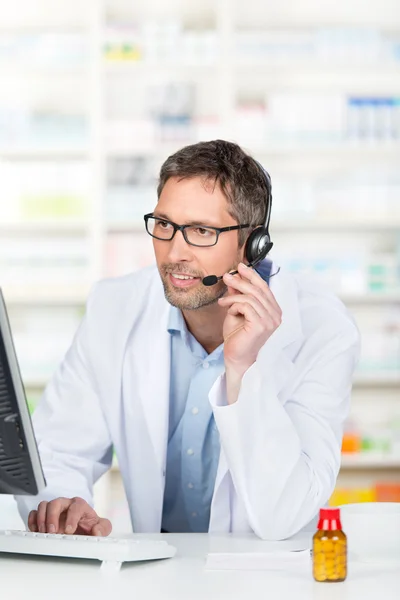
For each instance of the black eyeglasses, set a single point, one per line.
(195, 235)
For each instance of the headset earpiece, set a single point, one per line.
(258, 245)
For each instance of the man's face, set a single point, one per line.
(191, 201)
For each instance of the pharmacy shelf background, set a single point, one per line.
(95, 96)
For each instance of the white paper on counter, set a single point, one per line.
(260, 561)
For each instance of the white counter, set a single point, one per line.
(185, 577)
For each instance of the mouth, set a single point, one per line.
(181, 280)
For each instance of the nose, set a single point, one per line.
(179, 250)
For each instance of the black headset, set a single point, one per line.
(259, 244)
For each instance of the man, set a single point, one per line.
(224, 404)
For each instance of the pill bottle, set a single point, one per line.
(329, 547)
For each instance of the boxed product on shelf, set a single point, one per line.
(32, 128)
(379, 492)
(380, 352)
(299, 117)
(39, 191)
(172, 106)
(346, 45)
(376, 435)
(388, 491)
(168, 117)
(45, 261)
(131, 190)
(45, 49)
(161, 42)
(351, 268)
(352, 495)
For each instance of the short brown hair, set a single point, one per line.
(240, 177)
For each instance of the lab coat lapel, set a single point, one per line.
(146, 394)
(153, 379)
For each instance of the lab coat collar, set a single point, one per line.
(285, 291)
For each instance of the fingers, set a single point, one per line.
(46, 518)
(258, 282)
(239, 284)
(54, 510)
(259, 290)
(79, 508)
(41, 516)
(260, 309)
(245, 309)
(241, 305)
(102, 528)
(69, 515)
(32, 520)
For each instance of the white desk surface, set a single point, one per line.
(184, 577)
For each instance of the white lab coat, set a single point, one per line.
(280, 442)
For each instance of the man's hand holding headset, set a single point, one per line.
(253, 316)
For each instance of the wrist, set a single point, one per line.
(233, 378)
(235, 371)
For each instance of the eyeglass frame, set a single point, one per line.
(182, 228)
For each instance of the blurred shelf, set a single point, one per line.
(58, 227)
(294, 68)
(160, 153)
(142, 67)
(371, 298)
(128, 227)
(33, 71)
(377, 379)
(55, 297)
(389, 68)
(35, 384)
(302, 147)
(370, 461)
(335, 225)
(28, 26)
(340, 149)
(37, 153)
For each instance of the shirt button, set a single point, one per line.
(195, 411)
(190, 451)
(190, 486)
(194, 514)
(206, 365)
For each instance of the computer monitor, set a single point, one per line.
(20, 467)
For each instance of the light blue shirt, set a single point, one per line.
(193, 440)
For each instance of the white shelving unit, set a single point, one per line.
(112, 90)
(370, 461)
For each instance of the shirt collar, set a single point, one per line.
(176, 322)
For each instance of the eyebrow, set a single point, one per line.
(204, 222)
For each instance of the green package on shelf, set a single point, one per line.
(53, 206)
(367, 444)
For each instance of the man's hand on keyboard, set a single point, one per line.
(68, 515)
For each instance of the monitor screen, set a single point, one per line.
(20, 467)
